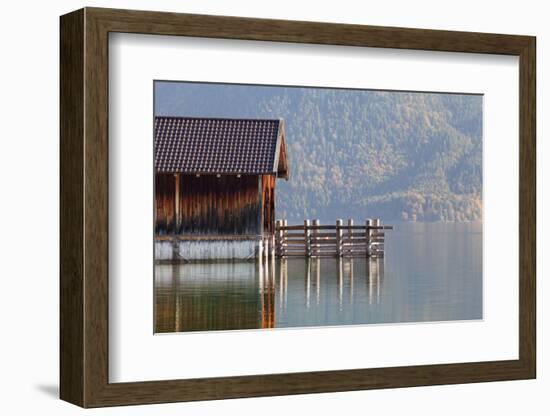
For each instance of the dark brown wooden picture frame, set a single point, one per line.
(84, 207)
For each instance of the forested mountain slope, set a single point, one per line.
(353, 154)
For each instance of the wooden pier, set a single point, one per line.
(340, 240)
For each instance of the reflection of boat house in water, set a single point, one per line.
(215, 185)
(213, 296)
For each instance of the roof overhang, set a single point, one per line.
(280, 162)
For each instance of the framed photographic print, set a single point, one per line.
(255, 207)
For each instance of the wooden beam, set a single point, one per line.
(260, 206)
(177, 204)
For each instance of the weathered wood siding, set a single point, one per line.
(268, 203)
(208, 205)
(165, 186)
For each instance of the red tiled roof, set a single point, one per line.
(218, 145)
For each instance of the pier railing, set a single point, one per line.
(340, 240)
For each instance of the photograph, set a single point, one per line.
(282, 206)
(289, 203)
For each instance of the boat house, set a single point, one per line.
(215, 181)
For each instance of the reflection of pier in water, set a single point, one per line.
(373, 277)
(251, 295)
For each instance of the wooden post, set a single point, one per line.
(278, 237)
(308, 281)
(315, 234)
(368, 232)
(284, 268)
(318, 280)
(284, 237)
(339, 233)
(281, 283)
(260, 220)
(382, 239)
(177, 204)
(351, 280)
(350, 234)
(260, 249)
(307, 239)
(340, 282)
(376, 223)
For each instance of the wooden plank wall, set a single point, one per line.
(268, 203)
(165, 204)
(208, 205)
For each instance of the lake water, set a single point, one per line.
(430, 272)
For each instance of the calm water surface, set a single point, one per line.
(431, 272)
